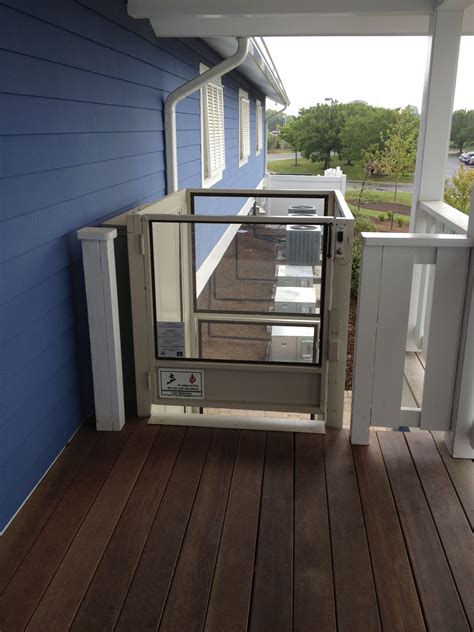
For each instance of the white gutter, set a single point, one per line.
(184, 91)
(269, 118)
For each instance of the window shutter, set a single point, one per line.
(244, 128)
(214, 142)
(259, 127)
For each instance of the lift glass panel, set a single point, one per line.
(238, 289)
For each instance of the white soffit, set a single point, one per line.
(200, 18)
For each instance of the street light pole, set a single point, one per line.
(330, 127)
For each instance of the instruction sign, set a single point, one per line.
(181, 383)
(170, 338)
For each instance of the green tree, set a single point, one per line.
(293, 134)
(370, 161)
(398, 157)
(458, 189)
(363, 129)
(321, 128)
(462, 128)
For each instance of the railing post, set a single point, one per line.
(364, 350)
(460, 438)
(102, 308)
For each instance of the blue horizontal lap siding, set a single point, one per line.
(82, 88)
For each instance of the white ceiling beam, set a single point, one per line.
(290, 25)
(453, 5)
(250, 8)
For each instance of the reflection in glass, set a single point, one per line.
(258, 268)
(258, 342)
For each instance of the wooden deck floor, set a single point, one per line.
(194, 529)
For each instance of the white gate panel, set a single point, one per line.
(394, 305)
(445, 328)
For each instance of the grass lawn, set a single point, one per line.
(308, 168)
(383, 197)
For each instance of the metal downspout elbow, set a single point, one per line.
(225, 66)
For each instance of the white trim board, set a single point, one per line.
(243, 422)
(213, 258)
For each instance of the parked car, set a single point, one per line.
(471, 162)
(466, 156)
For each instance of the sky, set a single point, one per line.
(384, 71)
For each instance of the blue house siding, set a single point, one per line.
(81, 139)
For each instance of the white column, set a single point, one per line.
(437, 107)
(433, 140)
(102, 308)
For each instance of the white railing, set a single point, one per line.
(439, 217)
(387, 271)
(432, 218)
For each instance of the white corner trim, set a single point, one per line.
(212, 260)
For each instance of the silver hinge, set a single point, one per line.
(148, 380)
(142, 244)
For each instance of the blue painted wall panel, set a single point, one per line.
(81, 103)
(21, 155)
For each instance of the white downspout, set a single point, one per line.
(184, 91)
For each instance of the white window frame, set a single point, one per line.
(244, 127)
(258, 127)
(213, 89)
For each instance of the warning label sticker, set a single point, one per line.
(170, 339)
(181, 383)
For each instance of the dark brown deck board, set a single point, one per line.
(396, 591)
(229, 602)
(449, 517)
(24, 592)
(314, 604)
(188, 597)
(272, 598)
(442, 607)
(356, 601)
(304, 534)
(145, 601)
(106, 593)
(461, 473)
(63, 597)
(20, 535)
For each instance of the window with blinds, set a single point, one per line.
(244, 125)
(259, 139)
(213, 130)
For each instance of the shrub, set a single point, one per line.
(400, 221)
(457, 191)
(382, 217)
(363, 225)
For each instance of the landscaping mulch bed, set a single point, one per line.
(384, 227)
(401, 209)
